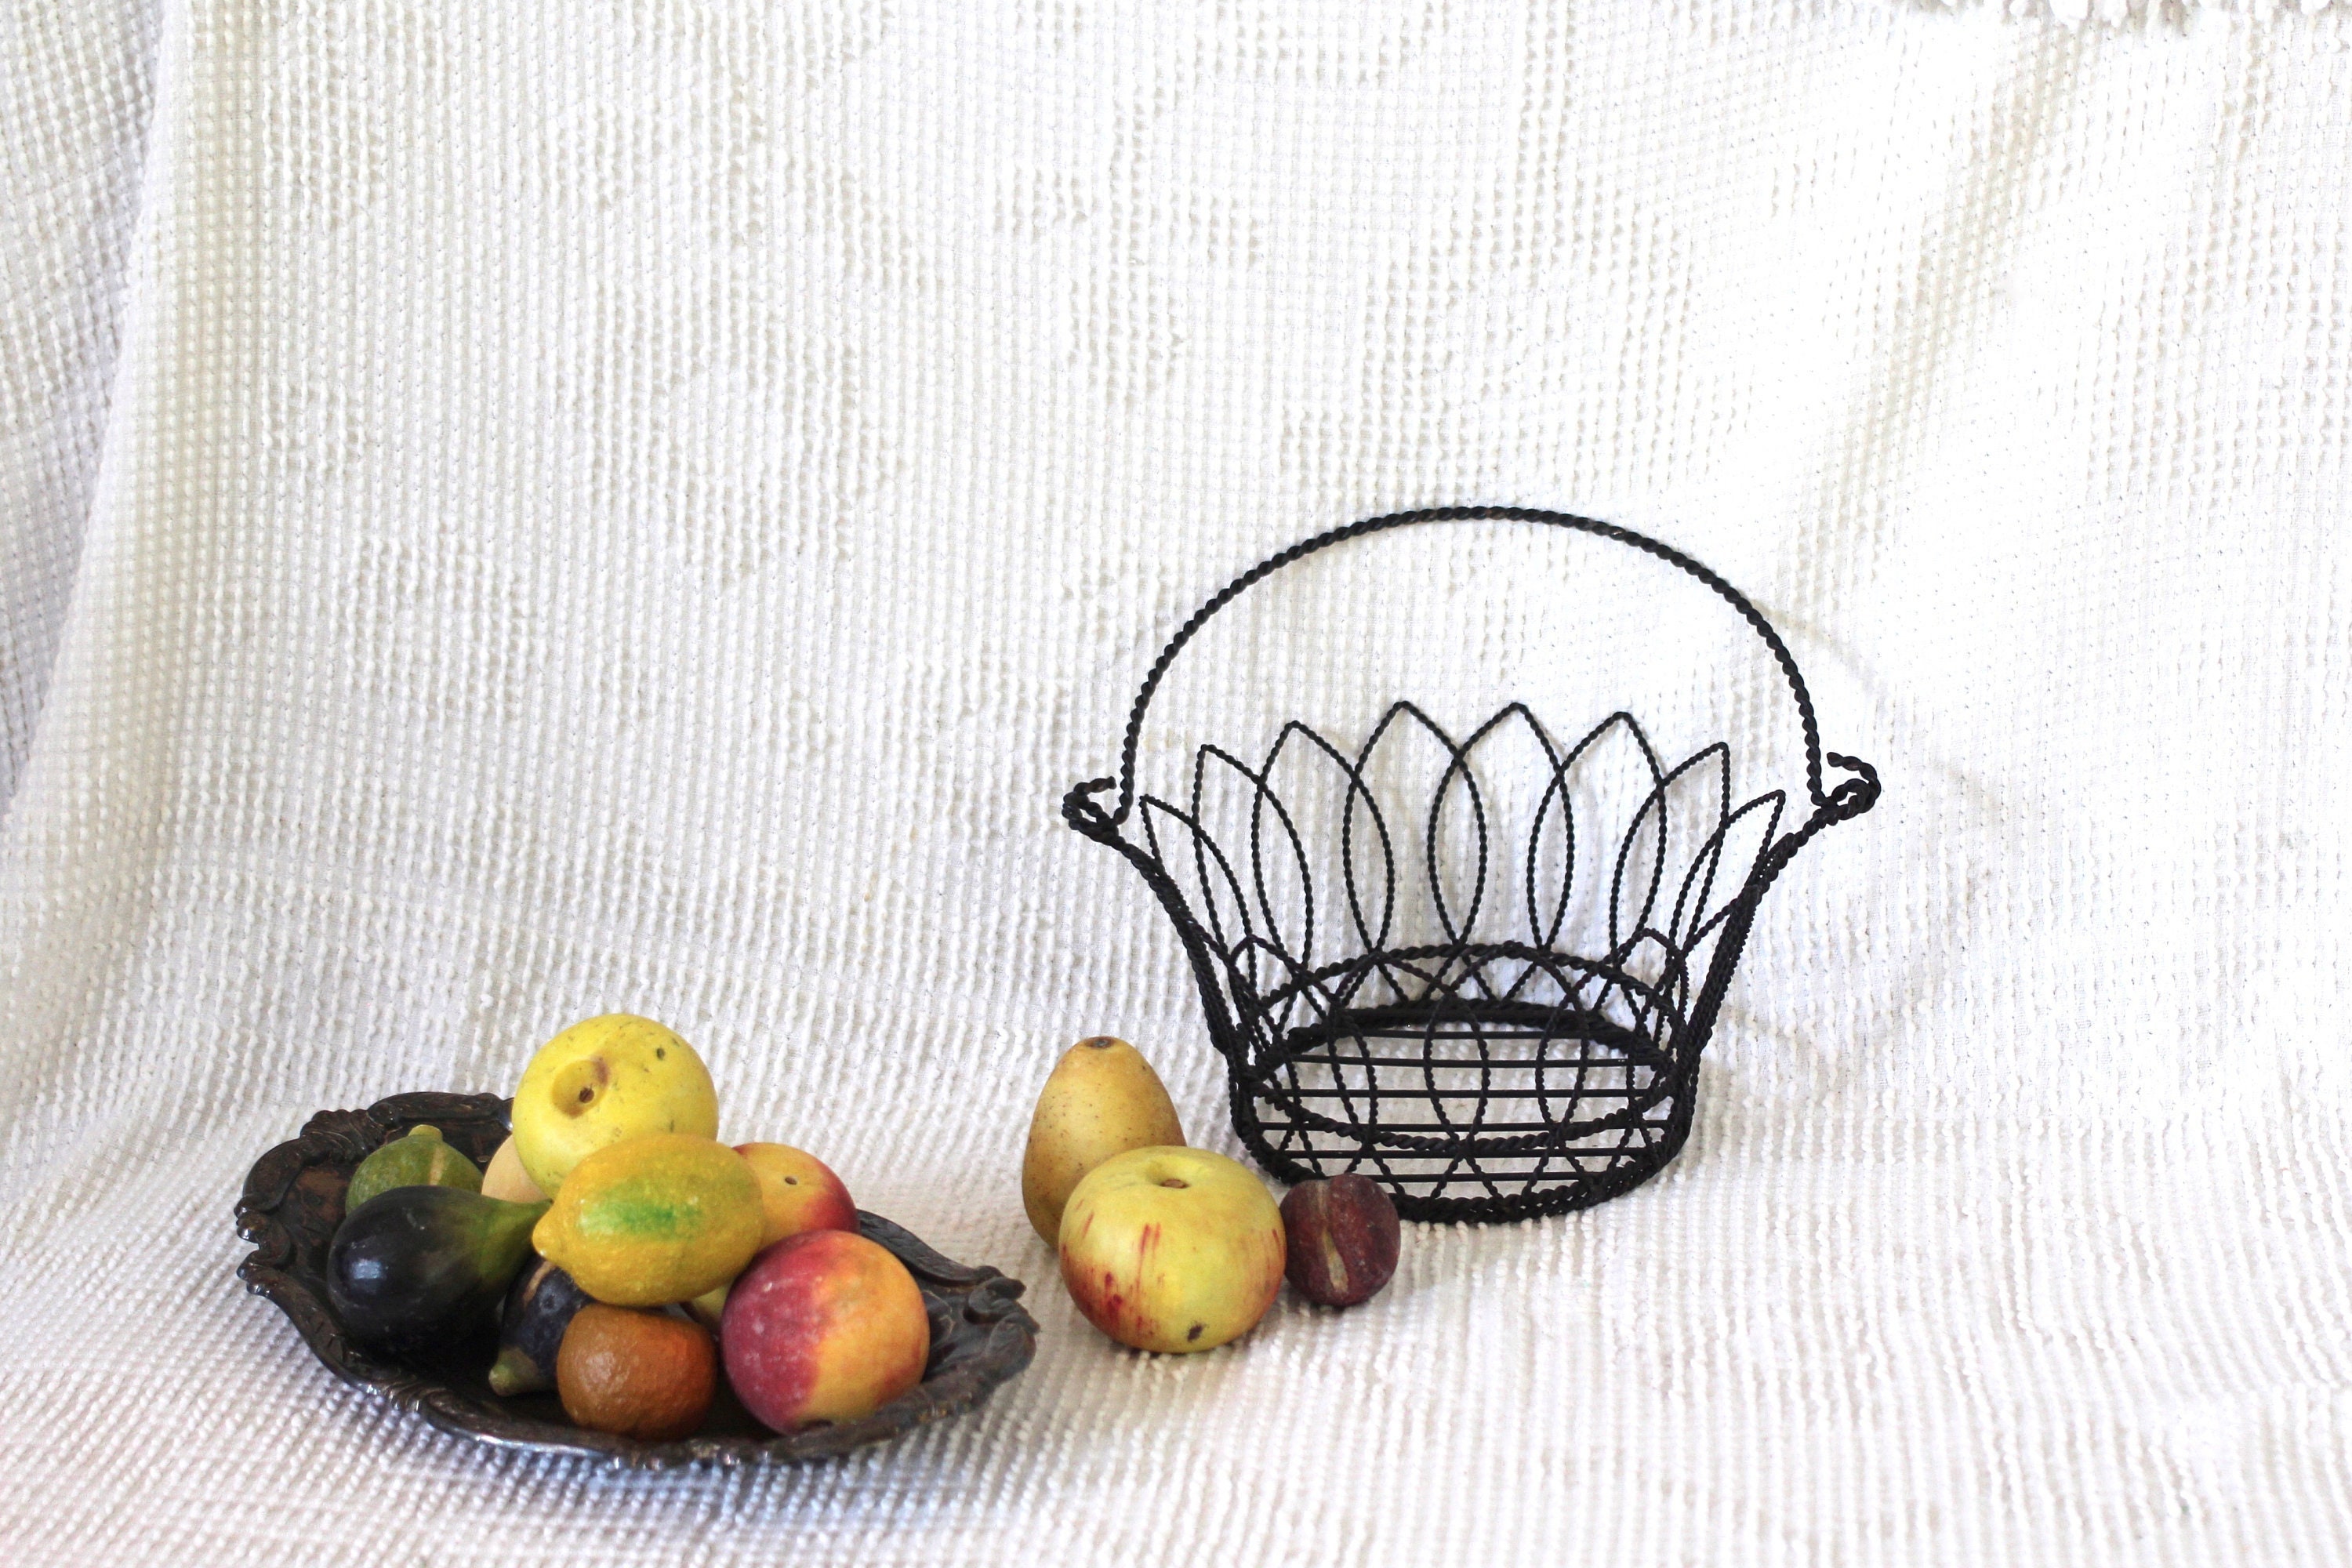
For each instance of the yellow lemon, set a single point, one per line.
(604, 1080)
(656, 1219)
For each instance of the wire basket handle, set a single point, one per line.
(1850, 798)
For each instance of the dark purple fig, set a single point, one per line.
(538, 1308)
(421, 1266)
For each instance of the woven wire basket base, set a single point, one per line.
(1460, 1106)
(1493, 1017)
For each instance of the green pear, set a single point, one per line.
(1103, 1099)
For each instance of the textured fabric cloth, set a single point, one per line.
(517, 510)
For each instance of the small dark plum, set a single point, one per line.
(1343, 1239)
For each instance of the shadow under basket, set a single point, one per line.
(1493, 1071)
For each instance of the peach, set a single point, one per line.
(798, 1192)
(823, 1326)
(1172, 1249)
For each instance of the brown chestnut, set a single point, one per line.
(1343, 1239)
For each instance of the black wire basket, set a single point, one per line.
(1488, 1064)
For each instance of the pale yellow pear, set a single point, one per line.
(1102, 1099)
(506, 1179)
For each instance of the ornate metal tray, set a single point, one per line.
(980, 1335)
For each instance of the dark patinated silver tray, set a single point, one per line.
(980, 1335)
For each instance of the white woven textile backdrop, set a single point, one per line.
(515, 510)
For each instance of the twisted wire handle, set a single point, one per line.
(1850, 798)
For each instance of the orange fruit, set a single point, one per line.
(640, 1375)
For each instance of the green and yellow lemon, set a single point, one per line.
(655, 1219)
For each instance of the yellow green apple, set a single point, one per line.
(1172, 1248)
(707, 1308)
(1102, 1099)
(604, 1080)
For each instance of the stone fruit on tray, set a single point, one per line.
(647, 1375)
(419, 1160)
(1102, 1099)
(798, 1192)
(823, 1326)
(530, 1329)
(659, 1218)
(602, 1081)
(1343, 1239)
(504, 1177)
(1172, 1249)
(417, 1265)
